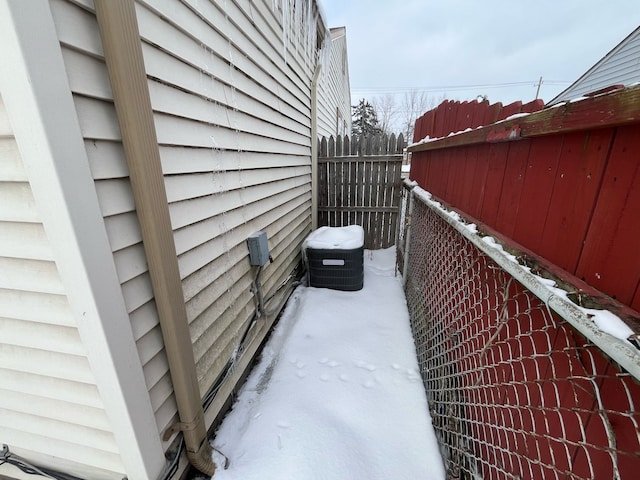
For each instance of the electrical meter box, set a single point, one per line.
(258, 249)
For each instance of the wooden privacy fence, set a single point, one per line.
(359, 183)
(454, 116)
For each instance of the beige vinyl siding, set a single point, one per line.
(88, 78)
(231, 97)
(230, 85)
(49, 402)
(334, 91)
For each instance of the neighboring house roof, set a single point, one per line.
(337, 32)
(621, 66)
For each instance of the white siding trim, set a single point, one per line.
(37, 96)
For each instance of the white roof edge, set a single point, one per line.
(558, 98)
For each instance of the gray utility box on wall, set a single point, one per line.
(335, 257)
(258, 249)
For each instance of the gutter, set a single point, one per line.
(120, 36)
(314, 148)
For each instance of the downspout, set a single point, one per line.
(314, 148)
(118, 27)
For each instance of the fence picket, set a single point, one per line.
(346, 147)
(332, 147)
(322, 149)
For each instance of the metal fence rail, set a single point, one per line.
(515, 390)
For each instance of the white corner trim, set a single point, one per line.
(37, 96)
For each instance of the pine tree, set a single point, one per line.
(365, 119)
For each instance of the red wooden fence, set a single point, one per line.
(453, 116)
(564, 182)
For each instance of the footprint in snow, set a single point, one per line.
(366, 366)
(323, 361)
(333, 364)
(344, 377)
(324, 377)
(412, 375)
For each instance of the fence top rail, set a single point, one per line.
(609, 109)
(613, 327)
(342, 146)
(368, 158)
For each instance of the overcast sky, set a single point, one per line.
(465, 48)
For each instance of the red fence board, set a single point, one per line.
(449, 124)
(533, 106)
(509, 110)
(491, 114)
(514, 175)
(417, 129)
(457, 172)
(611, 257)
(454, 168)
(468, 176)
(497, 156)
(439, 120)
(576, 186)
(478, 114)
(542, 165)
(478, 181)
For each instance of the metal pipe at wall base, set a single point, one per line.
(257, 290)
(120, 36)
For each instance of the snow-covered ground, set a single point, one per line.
(337, 394)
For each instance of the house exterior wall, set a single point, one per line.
(88, 78)
(49, 399)
(334, 109)
(232, 109)
(74, 394)
(230, 86)
(621, 66)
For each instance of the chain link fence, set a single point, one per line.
(515, 390)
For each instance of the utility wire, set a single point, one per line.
(12, 459)
(442, 88)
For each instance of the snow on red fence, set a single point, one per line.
(454, 116)
(563, 181)
(522, 382)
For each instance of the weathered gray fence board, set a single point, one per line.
(360, 184)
